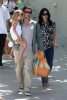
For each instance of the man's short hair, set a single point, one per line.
(27, 7)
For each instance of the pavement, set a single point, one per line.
(57, 86)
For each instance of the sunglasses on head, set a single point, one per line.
(20, 15)
(28, 12)
(45, 14)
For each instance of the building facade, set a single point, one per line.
(58, 10)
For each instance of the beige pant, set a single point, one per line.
(24, 77)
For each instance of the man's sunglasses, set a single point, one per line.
(45, 14)
(28, 12)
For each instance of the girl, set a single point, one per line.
(16, 33)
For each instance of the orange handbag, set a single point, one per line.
(40, 66)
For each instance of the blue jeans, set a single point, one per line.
(48, 54)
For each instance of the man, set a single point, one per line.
(31, 34)
(4, 27)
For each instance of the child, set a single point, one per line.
(16, 32)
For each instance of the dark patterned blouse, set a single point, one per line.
(47, 35)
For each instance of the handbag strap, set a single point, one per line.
(35, 64)
(35, 61)
(36, 67)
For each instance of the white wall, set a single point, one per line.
(61, 17)
(58, 13)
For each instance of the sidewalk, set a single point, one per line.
(57, 87)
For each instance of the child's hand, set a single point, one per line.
(18, 37)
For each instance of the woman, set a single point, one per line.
(48, 33)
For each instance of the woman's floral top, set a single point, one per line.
(47, 34)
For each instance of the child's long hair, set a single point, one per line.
(15, 15)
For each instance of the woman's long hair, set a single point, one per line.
(41, 19)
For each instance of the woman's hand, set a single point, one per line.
(55, 45)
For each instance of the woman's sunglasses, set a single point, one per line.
(45, 14)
